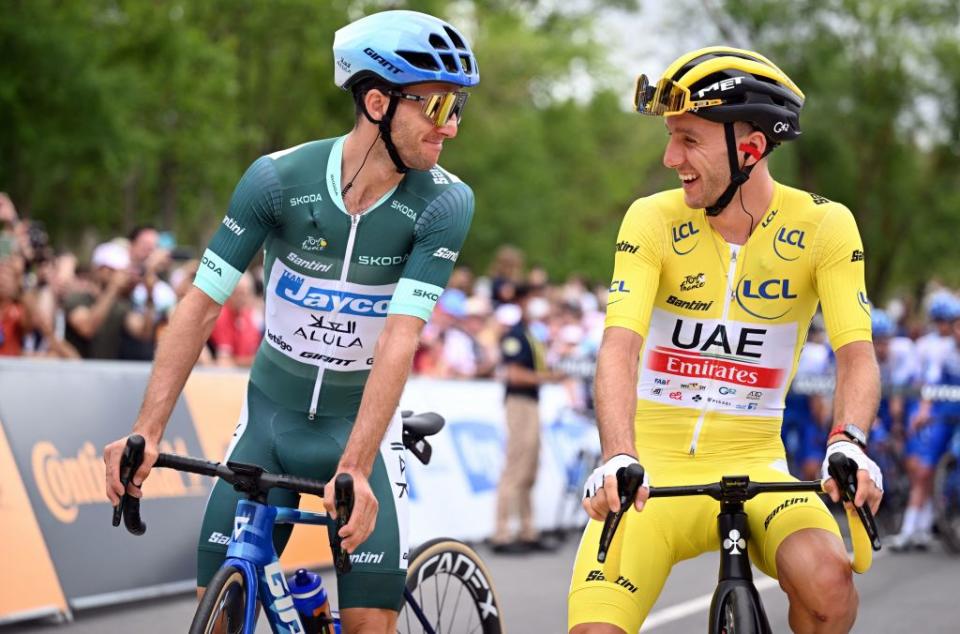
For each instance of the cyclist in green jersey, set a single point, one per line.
(360, 234)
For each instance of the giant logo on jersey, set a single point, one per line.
(685, 237)
(752, 296)
(301, 291)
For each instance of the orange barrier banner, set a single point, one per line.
(29, 583)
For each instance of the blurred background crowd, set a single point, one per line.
(114, 302)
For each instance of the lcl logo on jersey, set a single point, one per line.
(682, 233)
(755, 292)
(787, 241)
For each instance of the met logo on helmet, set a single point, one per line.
(726, 84)
(781, 126)
(381, 60)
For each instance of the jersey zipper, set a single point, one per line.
(348, 256)
(727, 298)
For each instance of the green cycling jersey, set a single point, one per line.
(331, 277)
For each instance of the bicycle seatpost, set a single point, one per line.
(629, 479)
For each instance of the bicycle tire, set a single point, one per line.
(896, 491)
(738, 614)
(946, 501)
(434, 567)
(226, 594)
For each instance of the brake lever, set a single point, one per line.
(629, 479)
(129, 507)
(343, 501)
(843, 469)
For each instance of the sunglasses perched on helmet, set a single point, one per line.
(439, 107)
(667, 98)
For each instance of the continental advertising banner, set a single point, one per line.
(57, 417)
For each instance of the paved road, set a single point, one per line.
(917, 592)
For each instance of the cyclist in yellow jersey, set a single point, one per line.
(713, 291)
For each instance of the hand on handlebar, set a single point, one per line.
(600, 494)
(363, 518)
(111, 458)
(869, 477)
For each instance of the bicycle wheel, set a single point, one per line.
(896, 491)
(946, 501)
(453, 590)
(738, 614)
(223, 605)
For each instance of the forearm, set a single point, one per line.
(381, 396)
(99, 311)
(616, 396)
(858, 385)
(519, 376)
(176, 355)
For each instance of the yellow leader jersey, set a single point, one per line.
(723, 325)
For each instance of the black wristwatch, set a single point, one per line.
(853, 433)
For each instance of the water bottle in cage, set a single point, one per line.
(310, 599)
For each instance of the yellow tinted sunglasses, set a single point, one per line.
(667, 98)
(439, 107)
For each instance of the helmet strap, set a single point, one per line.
(388, 140)
(738, 175)
(384, 126)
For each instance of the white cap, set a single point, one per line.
(508, 314)
(571, 333)
(112, 255)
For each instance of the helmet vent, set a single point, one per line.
(423, 61)
(449, 62)
(438, 42)
(467, 64)
(456, 39)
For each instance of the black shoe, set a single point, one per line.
(510, 548)
(540, 545)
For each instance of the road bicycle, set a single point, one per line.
(448, 587)
(946, 493)
(736, 607)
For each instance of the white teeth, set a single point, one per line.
(686, 178)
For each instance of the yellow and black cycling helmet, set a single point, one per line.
(727, 85)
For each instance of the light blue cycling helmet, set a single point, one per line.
(881, 324)
(403, 47)
(944, 307)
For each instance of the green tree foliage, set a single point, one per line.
(881, 120)
(123, 111)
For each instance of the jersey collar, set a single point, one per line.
(334, 167)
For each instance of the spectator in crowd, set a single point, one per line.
(15, 319)
(97, 316)
(524, 372)
(506, 272)
(464, 356)
(150, 263)
(238, 332)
